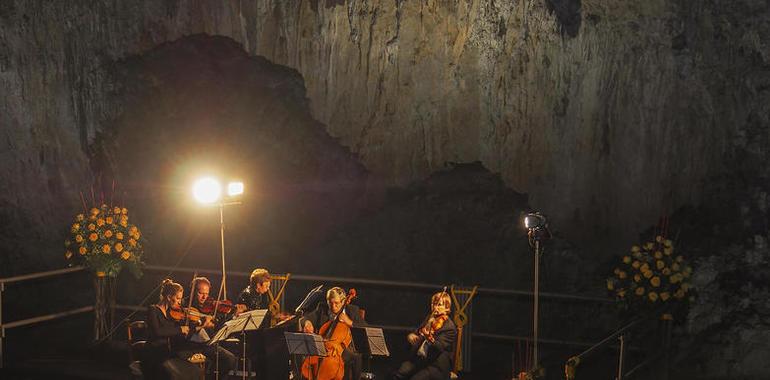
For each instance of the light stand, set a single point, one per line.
(223, 286)
(208, 191)
(216, 367)
(537, 232)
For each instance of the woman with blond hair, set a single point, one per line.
(166, 338)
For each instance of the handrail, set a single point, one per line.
(38, 319)
(570, 367)
(403, 284)
(47, 317)
(32, 276)
(481, 335)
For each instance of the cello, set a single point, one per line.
(336, 337)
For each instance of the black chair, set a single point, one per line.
(137, 341)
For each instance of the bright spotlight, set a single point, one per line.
(207, 190)
(234, 188)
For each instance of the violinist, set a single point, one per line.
(201, 303)
(166, 338)
(432, 344)
(348, 314)
(201, 286)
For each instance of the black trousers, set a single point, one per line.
(227, 360)
(417, 369)
(353, 364)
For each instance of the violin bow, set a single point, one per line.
(189, 301)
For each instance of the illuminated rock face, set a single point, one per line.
(607, 114)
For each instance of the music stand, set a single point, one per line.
(250, 320)
(303, 345)
(369, 341)
(311, 299)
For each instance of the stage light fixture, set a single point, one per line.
(234, 188)
(533, 221)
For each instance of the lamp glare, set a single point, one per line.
(207, 190)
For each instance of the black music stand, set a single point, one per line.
(312, 298)
(304, 345)
(369, 341)
(247, 321)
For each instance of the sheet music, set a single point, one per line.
(250, 320)
(305, 344)
(377, 344)
(200, 336)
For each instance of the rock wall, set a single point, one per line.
(607, 113)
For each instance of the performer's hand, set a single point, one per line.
(308, 327)
(337, 349)
(424, 332)
(208, 324)
(413, 338)
(185, 329)
(346, 320)
(240, 308)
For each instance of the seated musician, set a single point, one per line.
(432, 344)
(166, 349)
(255, 295)
(201, 287)
(348, 314)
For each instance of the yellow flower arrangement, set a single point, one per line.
(651, 276)
(100, 242)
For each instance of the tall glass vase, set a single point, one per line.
(104, 306)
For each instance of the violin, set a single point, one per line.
(221, 307)
(180, 314)
(337, 337)
(428, 331)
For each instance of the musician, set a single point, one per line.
(166, 338)
(255, 295)
(432, 344)
(201, 287)
(349, 315)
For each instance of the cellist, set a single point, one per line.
(335, 307)
(432, 344)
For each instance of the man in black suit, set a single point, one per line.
(350, 315)
(433, 344)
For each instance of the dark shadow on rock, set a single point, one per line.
(568, 13)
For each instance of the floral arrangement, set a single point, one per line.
(105, 242)
(651, 277)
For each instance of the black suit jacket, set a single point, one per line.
(441, 351)
(321, 315)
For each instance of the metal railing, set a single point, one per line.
(296, 277)
(408, 285)
(570, 367)
(40, 318)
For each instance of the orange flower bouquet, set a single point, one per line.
(651, 276)
(104, 241)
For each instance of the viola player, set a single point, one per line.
(255, 296)
(432, 344)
